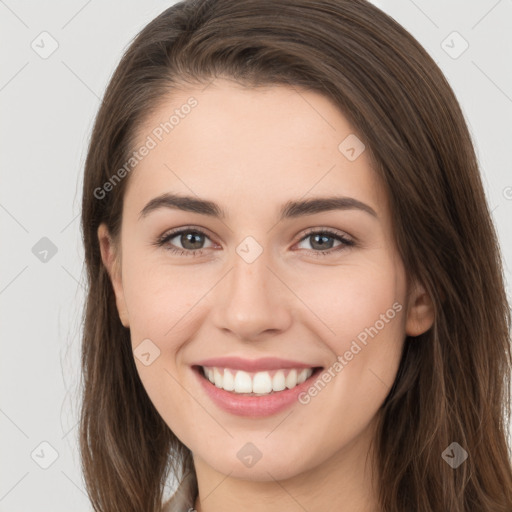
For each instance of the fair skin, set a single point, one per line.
(250, 151)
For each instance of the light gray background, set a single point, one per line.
(48, 106)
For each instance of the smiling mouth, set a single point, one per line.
(261, 383)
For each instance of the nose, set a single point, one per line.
(253, 303)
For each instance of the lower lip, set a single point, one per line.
(255, 406)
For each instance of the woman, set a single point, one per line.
(296, 298)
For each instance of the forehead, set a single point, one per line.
(250, 146)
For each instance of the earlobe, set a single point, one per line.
(420, 312)
(110, 260)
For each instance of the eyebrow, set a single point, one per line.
(291, 209)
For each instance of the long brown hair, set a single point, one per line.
(453, 383)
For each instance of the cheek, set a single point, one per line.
(363, 324)
(350, 301)
(164, 304)
(364, 309)
(160, 296)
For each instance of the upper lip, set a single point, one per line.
(253, 365)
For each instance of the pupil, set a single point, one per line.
(322, 237)
(189, 237)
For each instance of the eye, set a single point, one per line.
(192, 239)
(321, 239)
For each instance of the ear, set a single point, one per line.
(420, 311)
(111, 259)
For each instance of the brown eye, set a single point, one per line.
(191, 240)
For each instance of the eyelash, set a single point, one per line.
(164, 239)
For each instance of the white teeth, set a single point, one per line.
(217, 376)
(243, 382)
(291, 379)
(229, 381)
(278, 381)
(302, 376)
(260, 383)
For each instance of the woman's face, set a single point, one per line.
(276, 290)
